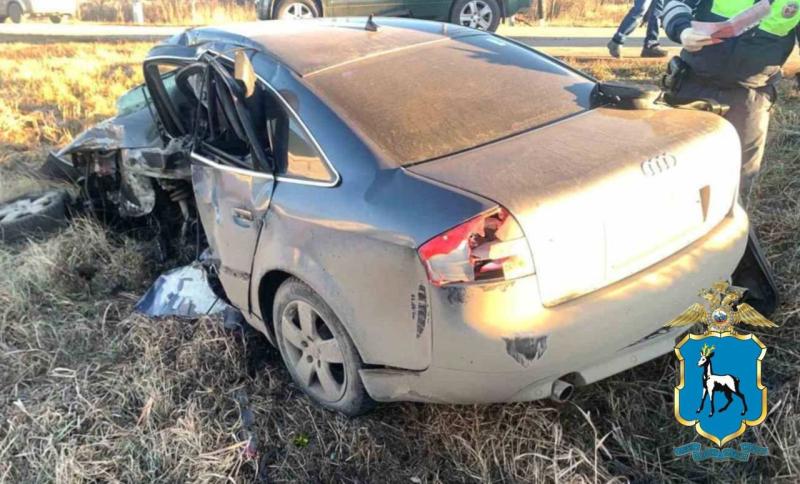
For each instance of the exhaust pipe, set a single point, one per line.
(562, 391)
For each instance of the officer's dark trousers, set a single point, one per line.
(749, 113)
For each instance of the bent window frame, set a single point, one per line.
(290, 111)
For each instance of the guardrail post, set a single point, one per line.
(138, 12)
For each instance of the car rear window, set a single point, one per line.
(450, 95)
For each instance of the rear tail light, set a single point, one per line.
(489, 247)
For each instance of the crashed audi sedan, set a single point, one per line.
(414, 211)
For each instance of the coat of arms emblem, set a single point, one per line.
(719, 390)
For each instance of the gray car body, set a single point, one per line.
(374, 214)
(354, 239)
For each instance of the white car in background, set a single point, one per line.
(16, 10)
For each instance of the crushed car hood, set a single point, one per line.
(132, 130)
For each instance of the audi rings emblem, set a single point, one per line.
(659, 164)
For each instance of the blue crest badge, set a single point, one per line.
(719, 390)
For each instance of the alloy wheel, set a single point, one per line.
(477, 15)
(312, 351)
(297, 11)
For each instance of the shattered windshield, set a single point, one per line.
(132, 101)
(452, 95)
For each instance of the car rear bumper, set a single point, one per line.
(498, 343)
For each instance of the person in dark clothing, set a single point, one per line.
(741, 72)
(640, 9)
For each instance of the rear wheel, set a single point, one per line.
(262, 9)
(317, 351)
(296, 10)
(476, 14)
(56, 19)
(15, 12)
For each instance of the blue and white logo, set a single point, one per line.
(720, 392)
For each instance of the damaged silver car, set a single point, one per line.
(417, 211)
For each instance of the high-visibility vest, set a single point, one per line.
(782, 19)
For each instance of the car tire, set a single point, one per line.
(296, 9)
(33, 214)
(262, 10)
(56, 19)
(3, 19)
(477, 14)
(312, 342)
(15, 12)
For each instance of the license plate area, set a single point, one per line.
(653, 227)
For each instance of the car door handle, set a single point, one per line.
(243, 214)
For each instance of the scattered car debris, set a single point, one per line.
(183, 292)
(248, 421)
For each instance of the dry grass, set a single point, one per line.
(89, 392)
(169, 12)
(578, 13)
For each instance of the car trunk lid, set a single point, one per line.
(607, 193)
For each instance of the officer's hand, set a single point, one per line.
(694, 41)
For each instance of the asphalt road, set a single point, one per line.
(563, 41)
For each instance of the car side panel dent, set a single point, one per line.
(231, 207)
(384, 307)
(356, 245)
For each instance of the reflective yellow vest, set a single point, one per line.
(783, 17)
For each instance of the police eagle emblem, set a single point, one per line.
(721, 361)
(722, 311)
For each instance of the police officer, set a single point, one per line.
(740, 72)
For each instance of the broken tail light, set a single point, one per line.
(489, 247)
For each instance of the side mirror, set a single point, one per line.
(244, 72)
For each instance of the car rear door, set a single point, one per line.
(367, 7)
(429, 9)
(232, 179)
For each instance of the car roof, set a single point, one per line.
(310, 46)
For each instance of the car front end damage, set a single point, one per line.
(133, 179)
(125, 160)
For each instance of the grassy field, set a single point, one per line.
(90, 392)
